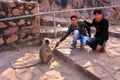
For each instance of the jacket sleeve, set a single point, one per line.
(88, 29)
(104, 33)
(67, 33)
(88, 23)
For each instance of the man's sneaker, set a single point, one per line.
(93, 49)
(72, 46)
(81, 46)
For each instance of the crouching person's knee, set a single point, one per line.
(76, 32)
(88, 42)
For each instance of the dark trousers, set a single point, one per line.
(93, 42)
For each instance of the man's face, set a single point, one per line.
(74, 21)
(98, 17)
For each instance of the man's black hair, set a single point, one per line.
(73, 16)
(97, 11)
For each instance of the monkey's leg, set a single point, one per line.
(49, 59)
(41, 58)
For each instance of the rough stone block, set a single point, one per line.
(27, 12)
(2, 25)
(2, 13)
(29, 43)
(1, 41)
(36, 29)
(10, 31)
(35, 10)
(21, 22)
(29, 38)
(12, 4)
(16, 12)
(12, 39)
(12, 23)
(23, 35)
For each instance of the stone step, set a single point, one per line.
(77, 66)
(98, 66)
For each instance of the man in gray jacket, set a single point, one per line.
(79, 29)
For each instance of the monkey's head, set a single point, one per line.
(46, 41)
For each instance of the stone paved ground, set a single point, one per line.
(104, 66)
(115, 29)
(58, 70)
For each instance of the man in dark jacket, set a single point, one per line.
(79, 30)
(101, 36)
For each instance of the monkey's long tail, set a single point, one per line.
(21, 67)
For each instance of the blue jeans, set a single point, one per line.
(78, 36)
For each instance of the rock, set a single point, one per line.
(21, 22)
(16, 12)
(2, 25)
(1, 41)
(12, 4)
(57, 5)
(12, 23)
(10, 31)
(12, 39)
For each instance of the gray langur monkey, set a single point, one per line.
(46, 53)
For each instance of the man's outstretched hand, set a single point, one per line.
(57, 43)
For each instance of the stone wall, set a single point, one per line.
(58, 5)
(18, 32)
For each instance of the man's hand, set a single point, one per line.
(57, 43)
(81, 20)
(98, 48)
